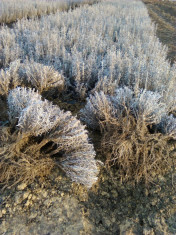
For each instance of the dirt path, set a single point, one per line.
(163, 13)
(61, 207)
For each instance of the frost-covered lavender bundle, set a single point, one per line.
(138, 132)
(41, 136)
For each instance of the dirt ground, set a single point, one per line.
(59, 206)
(163, 13)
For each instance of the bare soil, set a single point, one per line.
(163, 13)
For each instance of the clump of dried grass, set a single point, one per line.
(21, 160)
(136, 132)
(138, 153)
(41, 136)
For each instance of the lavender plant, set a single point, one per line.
(31, 74)
(136, 131)
(109, 44)
(41, 136)
(13, 10)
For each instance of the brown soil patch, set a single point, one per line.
(163, 13)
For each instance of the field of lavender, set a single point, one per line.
(103, 55)
(100, 48)
(13, 10)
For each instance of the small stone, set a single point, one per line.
(22, 186)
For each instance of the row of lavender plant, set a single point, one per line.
(110, 54)
(110, 42)
(13, 10)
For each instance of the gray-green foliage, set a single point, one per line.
(111, 43)
(146, 106)
(58, 138)
(32, 74)
(13, 10)
(137, 132)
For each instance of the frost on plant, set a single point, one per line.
(19, 100)
(9, 78)
(11, 11)
(41, 136)
(149, 106)
(30, 74)
(170, 92)
(136, 132)
(41, 76)
(97, 47)
(169, 126)
(98, 109)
